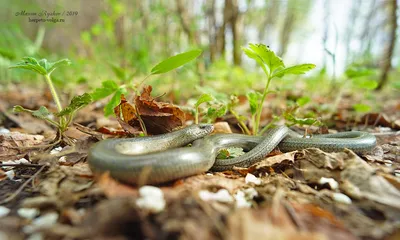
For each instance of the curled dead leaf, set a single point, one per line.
(158, 117)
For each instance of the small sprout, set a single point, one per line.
(45, 68)
(202, 99)
(273, 67)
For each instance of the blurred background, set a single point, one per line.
(123, 40)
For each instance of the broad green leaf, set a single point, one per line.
(365, 83)
(54, 65)
(32, 64)
(254, 101)
(175, 61)
(297, 69)
(300, 121)
(77, 102)
(114, 101)
(268, 56)
(361, 108)
(303, 101)
(42, 66)
(42, 113)
(355, 72)
(257, 58)
(108, 87)
(203, 98)
(43, 62)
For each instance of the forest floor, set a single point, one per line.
(50, 191)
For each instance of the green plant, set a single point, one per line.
(65, 115)
(110, 87)
(214, 108)
(273, 67)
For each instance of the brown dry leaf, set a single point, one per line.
(10, 142)
(206, 181)
(113, 188)
(379, 119)
(308, 215)
(64, 185)
(2, 175)
(361, 181)
(262, 223)
(312, 164)
(274, 161)
(158, 117)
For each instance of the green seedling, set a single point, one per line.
(273, 67)
(65, 115)
(214, 110)
(110, 87)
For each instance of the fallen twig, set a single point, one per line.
(20, 165)
(19, 190)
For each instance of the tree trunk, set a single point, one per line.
(389, 47)
(193, 37)
(212, 29)
(286, 32)
(185, 19)
(234, 23)
(272, 11)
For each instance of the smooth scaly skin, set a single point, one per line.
(126, 159)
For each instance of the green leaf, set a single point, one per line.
(301, 121)
(108, 87)
(365, 83)
(31, 64)
(297, 69)
(42, 66)
(77, 102)
(219, 111)
(114, 101)
(303, 101)
(203, 98)
(267, 56)
(361, 108)
(257, 58)
(42, 112)
(231, 152)
(355, 72)
(175, 61)
(52, 66)
(19, 108)
(254, 100)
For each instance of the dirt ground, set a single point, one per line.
(48, 191)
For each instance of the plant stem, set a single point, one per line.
(260, 108)
(53, 92)
(196, 115)
(241, 123)
(62, 126)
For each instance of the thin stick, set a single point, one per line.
(19, 190)
(20, 165)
